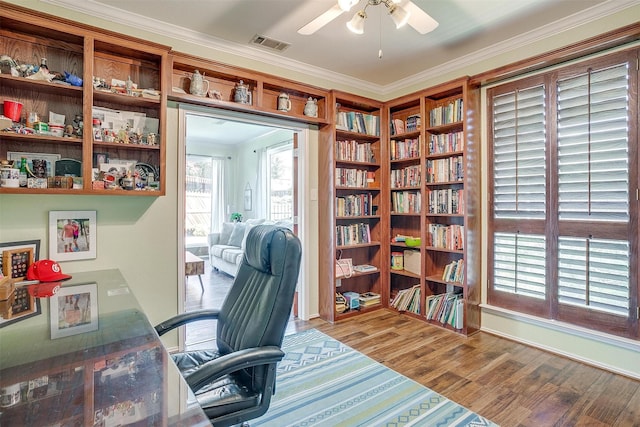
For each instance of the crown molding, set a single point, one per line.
(108, 13)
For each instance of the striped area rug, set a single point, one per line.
(322, 382)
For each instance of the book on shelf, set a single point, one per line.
(446, 201)
(445, 170)
(368, 299)
(354, 151)
(413, 123)
(407, 300)
(454, 271)
(405, 149)
(397, 127)
(446, 236)
(353, 234)
(406, 202)
(354, 205)
(406, 177)
(357, 122)
(445, 114)
(365, 268)
(446, 143)
(447, 308)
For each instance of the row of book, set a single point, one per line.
(406, 177)
(407, 149)
(445, 170)
(407, 300)
(354, 205)
(399, 126)
(445, 114)
(454, 271)
(446, 201)
(353, 234)
(446, 308)
(446, 236)
(357, 178)
(446, 143)
(354, 151)
(354, 121)
(406, 202)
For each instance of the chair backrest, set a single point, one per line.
(257, 308)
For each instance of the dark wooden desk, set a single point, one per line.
(117, 374)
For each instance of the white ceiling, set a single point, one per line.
(469, 30)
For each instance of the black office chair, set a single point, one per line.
(235, 382)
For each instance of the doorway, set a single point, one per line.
(233, 164)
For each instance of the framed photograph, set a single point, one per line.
(72, 235)
(50, 159)
(20, 255)
(99, 158)
(74, 310)
(19, 306)
(247, 198)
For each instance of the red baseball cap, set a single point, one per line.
(46, 270)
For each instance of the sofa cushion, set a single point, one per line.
(247, 228)
(225, 233)
(237, 235)
(255, 221)
(218, 250)
(234, 256)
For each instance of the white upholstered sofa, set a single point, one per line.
(226, 248)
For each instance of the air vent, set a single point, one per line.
(269, 43)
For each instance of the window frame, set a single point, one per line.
(552, 227)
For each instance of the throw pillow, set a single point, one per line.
(246, 233)
(237, 234)
(225, 234)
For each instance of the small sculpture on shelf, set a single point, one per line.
(284, 103)
(242, 94)
(311, 107)
(198, 82)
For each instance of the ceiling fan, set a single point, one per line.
(402, 12)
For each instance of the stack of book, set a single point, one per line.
(407, 300)
(447, 309)
(369, 298)
(454, 271)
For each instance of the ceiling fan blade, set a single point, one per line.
(321, 20)
(419, 19)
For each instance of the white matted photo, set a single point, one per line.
(72, 235)
(74, 310)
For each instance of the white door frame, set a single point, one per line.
(303, 184)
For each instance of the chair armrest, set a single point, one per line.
(213, 239)
(233, 362)
(184, 318)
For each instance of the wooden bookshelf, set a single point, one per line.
(435, 121)
(85, 52)
(352, 173)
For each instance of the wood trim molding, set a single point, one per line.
(599, 43)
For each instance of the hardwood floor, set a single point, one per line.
(510, 383)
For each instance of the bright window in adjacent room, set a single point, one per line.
(204, 191)
(280, 182)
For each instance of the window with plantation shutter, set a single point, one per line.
(563, 225)
(519, 153)
(593, 154)
(519, 264)
(594, 273)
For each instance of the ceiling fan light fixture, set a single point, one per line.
(346, 5)
(356, 25)
(399, 15)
